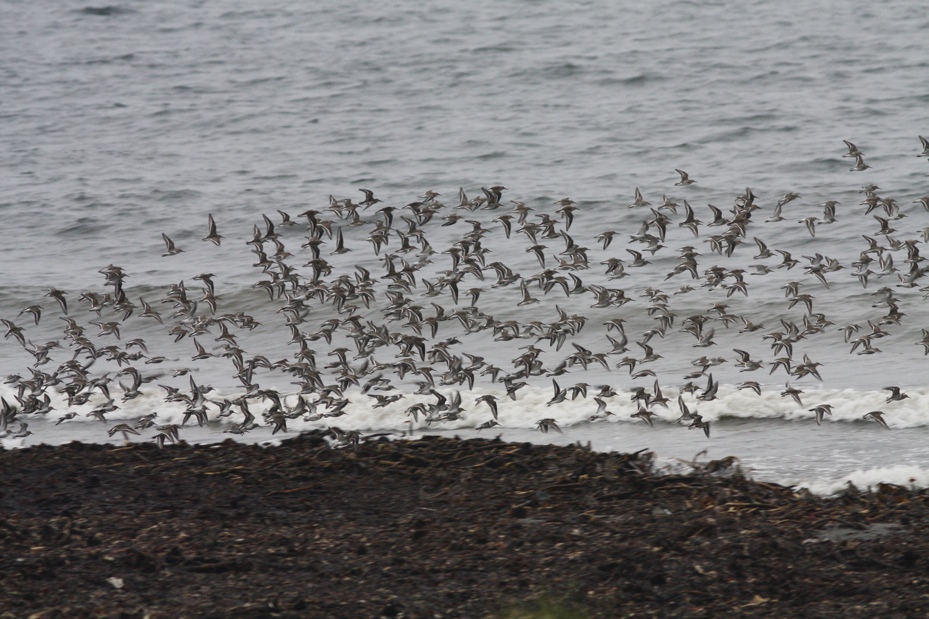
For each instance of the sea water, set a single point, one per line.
(121, 122)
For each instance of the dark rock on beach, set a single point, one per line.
(440, 528)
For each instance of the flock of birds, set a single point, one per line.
(405, 300)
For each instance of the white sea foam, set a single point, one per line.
(913, 477)
(531, 405)
(759, 430)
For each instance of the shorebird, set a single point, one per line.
(776, 217)
(602, 412)
(686, 415)
(124, 429)
(877, 416)
(829, 211)
(490, 401)
(792, 392)
(718, 219)
(711, 389)
(852, 150)
(23, 431)
(645, 415)
(65, 417)
(369, 200)
(763, 251)
(544, 425)
(667, 204)
(924, 342)
(13, 331)
(169, 244)
(560, 394)
(750, 384)
(685, 179)
(59, 295)
(606, 238)
(146, 421)
(211, 236)
(821, 410)
(787, 260)
(810, 224)
(35, 310)
(639, 200)
(860, 165)
(699, 423)
(690, 221)
(895, 394)
(513, 387)
(746, 363)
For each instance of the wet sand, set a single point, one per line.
(439, 528)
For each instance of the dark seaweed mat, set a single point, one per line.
(439, 528)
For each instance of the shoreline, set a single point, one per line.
(440, 528)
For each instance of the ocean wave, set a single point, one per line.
(365, 411)
(908, 476)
